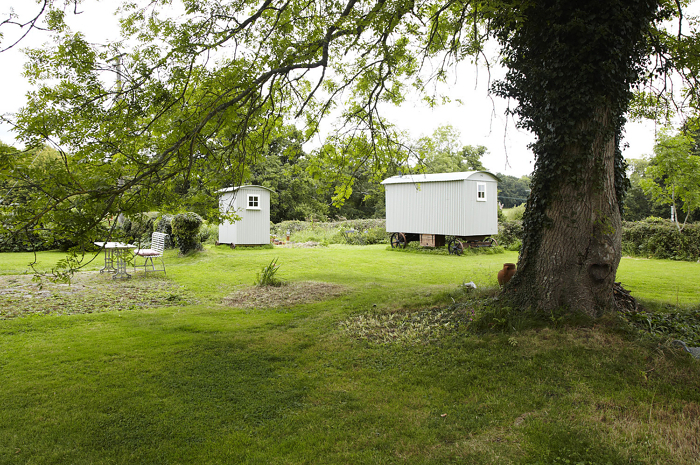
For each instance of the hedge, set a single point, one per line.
(364, 231)
(357, 225)
(650, 238)
(659, 238)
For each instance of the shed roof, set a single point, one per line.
(435, 177)
(232, 189)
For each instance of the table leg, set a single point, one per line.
(109, 261)
(121, 260)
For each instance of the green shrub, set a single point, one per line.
(45, 238)
(22, 242)
(510, 234)
(365, 231)
(368, 236)
(186, 231)
(515, 246)
(515, 213)
(502, 218)
(312, 235)
(209, 233)
(376, 236)
(659, 238)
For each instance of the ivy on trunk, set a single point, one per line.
(572, 66)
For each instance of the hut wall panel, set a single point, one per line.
(448, 208)
(254, 226)
(227, 230)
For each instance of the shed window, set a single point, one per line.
(253, 202)
(480, 192)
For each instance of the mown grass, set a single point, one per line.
(661, 281)
(206, 382)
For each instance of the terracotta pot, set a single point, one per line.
(506, 273)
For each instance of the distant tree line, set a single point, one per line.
(303, 192)
(299, 195)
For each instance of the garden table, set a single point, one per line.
(117, 255)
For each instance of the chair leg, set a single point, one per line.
(145, 265)
(149, 267)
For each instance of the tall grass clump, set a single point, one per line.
(266, 276)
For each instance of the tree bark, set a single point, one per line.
(571, 67)
(573, 258)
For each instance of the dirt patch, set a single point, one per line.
(287, 295)
(89, 292)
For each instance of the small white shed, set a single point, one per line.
(463, 204)
(252, 204)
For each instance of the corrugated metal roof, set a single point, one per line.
(231, 189)
(435, 177)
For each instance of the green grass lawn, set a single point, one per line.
(169, 370)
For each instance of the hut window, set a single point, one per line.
(253, 202)
(480, 192)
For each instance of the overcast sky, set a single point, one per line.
(480, 118)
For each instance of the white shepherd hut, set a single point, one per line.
(428, 207)
(252, 204)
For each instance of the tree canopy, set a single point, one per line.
(672, 177)
(513, 191)
(441, 152)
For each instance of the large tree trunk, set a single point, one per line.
(571, 66)
(572, 259)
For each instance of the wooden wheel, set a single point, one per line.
(493, 242)
(398, 240)
(455, 247)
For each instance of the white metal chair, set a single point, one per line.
(156, 251)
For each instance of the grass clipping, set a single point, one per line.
(419, 327)
(288, 294)
(89, 292)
